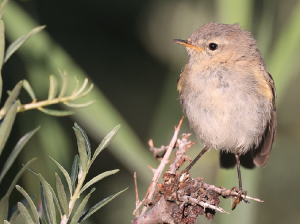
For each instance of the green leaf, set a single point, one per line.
(49, 199)
(17, 149)
(2, 7)
(105, 142)
(76, 86)
(65, 173)
(14, 212)
(25, 213)
(11, 99)
(14, 217)
(86, 140)
(30, 202)
(64, 77)
(82, 148)
(16, 44)
(87, 91)
(29, 89)
(52, 88)
(4, 203)
(46, 211)
(99, 205)
(2, 46)
(97, 178)
(58, 113)
(81, 207)
(17, 177)
(74, 172)
(79, 105)
(55, 199)
(62, 195)
(6, 126)
(80, 90)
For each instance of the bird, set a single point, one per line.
(228, 95)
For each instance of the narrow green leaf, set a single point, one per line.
(25, 213)
(52, 88)
(80, 90)
(49, 199)
(2, 7)
(4, 203)
(81, 148)
(58, 113)
(2, 47)
(46, 211)
(87, 91)
(15, 217)
(65, 173)
(108, 138)
(55, 199)
(15, 152)
(81, 207)
(1, 85)
(13, 212)
(62, 195)
(99, 205)
(18, 43)
(79, 105)
(64, 77)
(17, 177)
(30, 202)
(32, 171)
(2, 42)
(76, 86)
(11, 99)
(7, 124)
(86, 140)
(29, 89)
(97, 178)
(74, 172)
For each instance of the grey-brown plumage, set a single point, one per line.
(227, 92)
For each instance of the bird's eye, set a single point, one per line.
(213, 46)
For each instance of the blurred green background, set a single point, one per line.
(124, 47)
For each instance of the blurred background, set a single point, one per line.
(124, 47)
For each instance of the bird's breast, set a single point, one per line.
(225, 108)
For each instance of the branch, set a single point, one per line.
(180, 199)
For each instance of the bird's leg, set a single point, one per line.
(240, 191)
(204, 150)
(238, 166)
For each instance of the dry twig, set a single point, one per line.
(180, 199)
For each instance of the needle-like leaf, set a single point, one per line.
(15, 152)
(81, 207)
(62, 195)
(98, 178)
(65, 173)
(18, 43)
(108, 138)
(30, 202)
(52, 87)
(6, 126)
(29, 89)
(25, 213)
(98, 206)
(58, 113)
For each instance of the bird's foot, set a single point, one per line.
(238, 198)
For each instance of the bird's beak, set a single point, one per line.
(187, 44)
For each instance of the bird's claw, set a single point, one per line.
(238, 198)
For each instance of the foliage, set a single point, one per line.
(82, 163)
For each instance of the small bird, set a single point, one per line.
(228, 95)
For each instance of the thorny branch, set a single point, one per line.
(180, 199)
